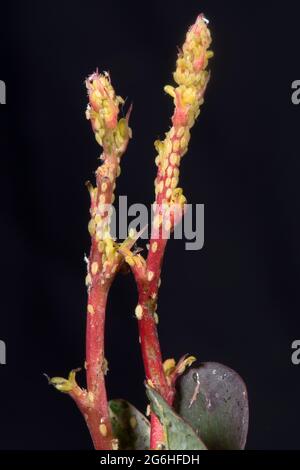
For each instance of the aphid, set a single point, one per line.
(94, 268)
(154, 247)
(103, 429)
(139, 312)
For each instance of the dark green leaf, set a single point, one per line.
(179, 434)
(213, 399)
(130, 426)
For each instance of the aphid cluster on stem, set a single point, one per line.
(107, 255)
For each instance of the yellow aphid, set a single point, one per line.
(139, 312)
(171, 133)
(169, 171)
(181, 78)
(91, 397)
(169, 192)
(184, 141)
(90, 309)
(104, 187)
(176, 193)
(88, 280)
(156, 222)
(132, 233)
(165, 164)
(150, 275)
(168, 182)
(174, 182)
(173, 158)
(170, 90)
(122, 124)
(161, 187)
(159, 146)
(94, 268)
(118, 171)
(189, 95)
(176, 172)
(168, 146)
(157, 160)
(96, 124)
(156, 319)
(180, 132)
(154, 247)
(176, 145)
(91, 227)
(103, 430)
(98, 218)
(98, 138)
(109, 247)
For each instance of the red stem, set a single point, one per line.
(150, 346)
(98, 419)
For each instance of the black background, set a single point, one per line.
(235, 301)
